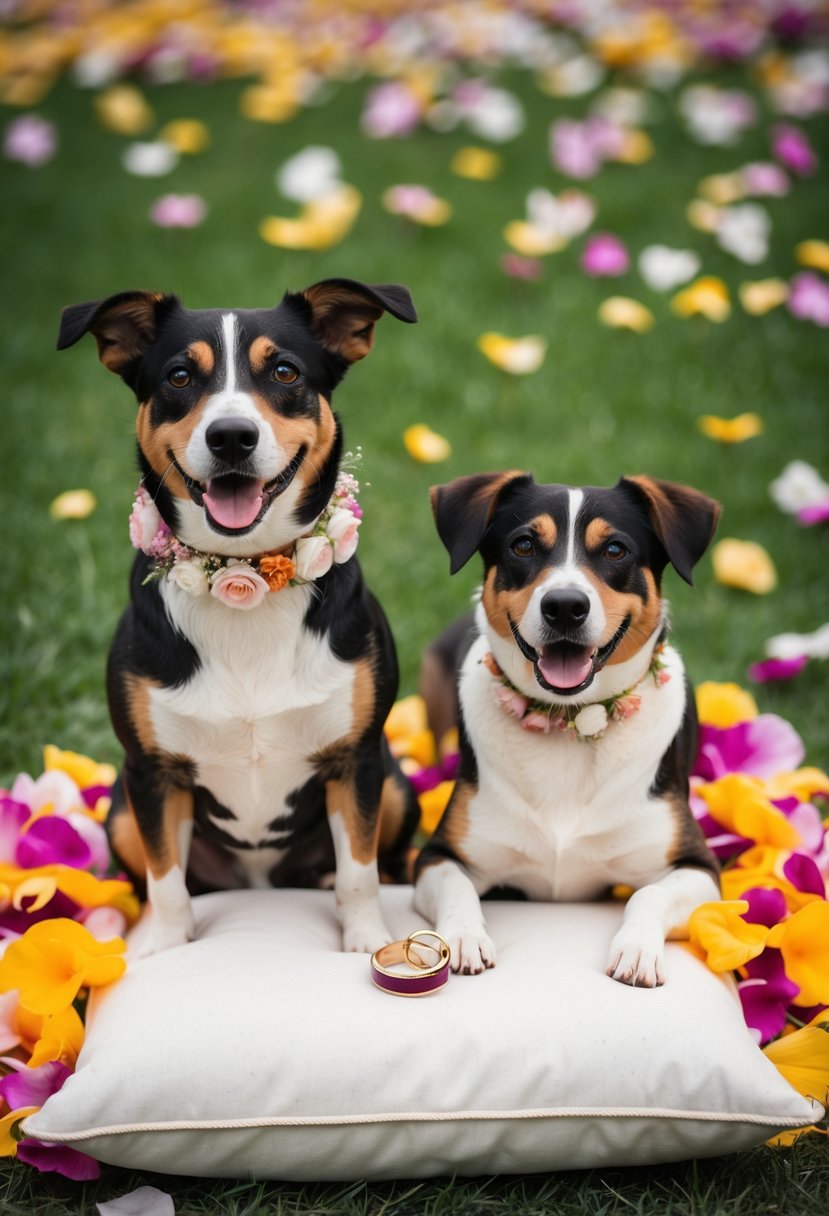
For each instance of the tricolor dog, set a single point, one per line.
(252, 672)
(577, 727)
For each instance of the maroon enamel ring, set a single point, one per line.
(424, 976)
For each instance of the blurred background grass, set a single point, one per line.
(605, 402)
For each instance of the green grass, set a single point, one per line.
(604, 403)
(765, 1182)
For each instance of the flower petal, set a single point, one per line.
(425, 445)
(724, 938)
(622, 312)
(743, 564)
(731, 430)
(73, 504)
(724, 705)
(518, 356)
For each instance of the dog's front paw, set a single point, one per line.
(472, 951)
(162, 937)
(636, 962)
(365, 934)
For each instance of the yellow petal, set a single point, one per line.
(38, 890)
(813, 253)
(187, 135)
(637, 148)
(530, 241)
(762, 295)
(722, 188)
(54, 959)
(724, 705)
(621, 312)
(8, 1144)
(738, 804)
(518, 356)
(61, 1038)
(426, 445)
(803, 940)
(432, 805)
(743, 564)
(478, 164)
(406, 716)
(703, 215)
(322, 223)
(73, 504)
(803, 1058)
(83, 771)
(123, 108)
(707, 297)
(802, 784)
(418, 746)
(731, 430)
(270, 102)
(724, 938)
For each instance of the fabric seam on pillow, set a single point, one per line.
(300, 1121)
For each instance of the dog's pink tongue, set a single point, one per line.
(567, 669)
(234, 505)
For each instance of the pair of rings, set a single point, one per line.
(424, 976)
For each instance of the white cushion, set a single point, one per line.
(261, 1050)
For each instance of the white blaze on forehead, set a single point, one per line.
(575, 498)
(229, 327)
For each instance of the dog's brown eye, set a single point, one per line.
(284, 373)
(523, 546)
(179, 377)
(615, 551)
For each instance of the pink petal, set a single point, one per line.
(53, 841)
(58, 1159)
(32, 1086)
(770, 670)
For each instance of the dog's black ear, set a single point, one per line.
(344, 313)
(464, 508)
(683, 519)
(124, 325)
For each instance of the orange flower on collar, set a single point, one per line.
(277, 570)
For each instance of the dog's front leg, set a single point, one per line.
(447, 896)
(653, 914)
(355, 831)
(163, 813)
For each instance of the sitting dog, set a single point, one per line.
(577, 725)
(251, 675)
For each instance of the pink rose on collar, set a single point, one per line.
(342, 529)
(313, 557)
(144, 521)
(238, 586)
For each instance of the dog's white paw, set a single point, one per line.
(636, 962)
(364, 934)
(161, 936)
(472, 950)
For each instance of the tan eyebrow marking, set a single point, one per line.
(545, 529)
(596, 532)
(261, 350)
(202, 355)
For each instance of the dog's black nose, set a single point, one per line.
(232, 439)
(565, 609)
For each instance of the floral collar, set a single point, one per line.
(243, 582)
(585, 724)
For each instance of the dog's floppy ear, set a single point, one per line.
(344, 313)
(683, 519)
(124, 325)
(464, 508)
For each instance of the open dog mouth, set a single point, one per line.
(564, 667)
(233, 502)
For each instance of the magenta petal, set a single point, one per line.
(766, 906)
(762, 747)
(605, 256)
(58, 1159)
(770, 670)
(802, 872)
(816, 513)
(13, 815)
(14, 922)
(766, 995)
(32, 1086)
(53, 841)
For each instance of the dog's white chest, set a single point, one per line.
(268, 695)
(561, 818)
